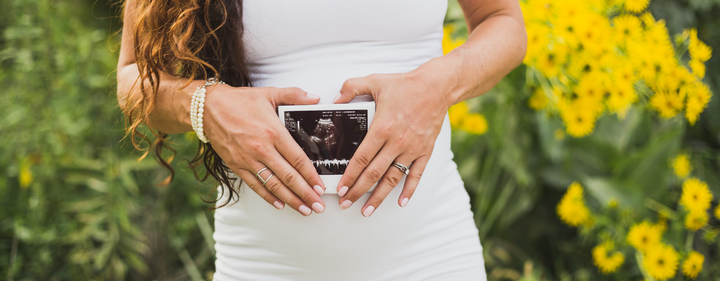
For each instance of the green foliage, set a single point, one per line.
(517, 172)
(75, 204)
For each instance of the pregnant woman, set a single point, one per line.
(276, 220)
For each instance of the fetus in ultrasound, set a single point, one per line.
(328, 137)
(324, 137)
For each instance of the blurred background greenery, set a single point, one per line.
(75, 204)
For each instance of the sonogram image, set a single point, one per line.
(328, 137)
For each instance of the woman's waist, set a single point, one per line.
(323, 72)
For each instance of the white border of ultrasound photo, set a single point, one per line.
(330, 181)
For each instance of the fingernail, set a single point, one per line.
(404, 202)
(368, 211)
(336, 97)
(319, 190)
(342, 191)
(278, 205)
(313, 96)
(304, 210)
(318, 207)
(345, 204)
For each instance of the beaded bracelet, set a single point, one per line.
(197, 108)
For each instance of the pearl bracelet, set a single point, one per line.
(197, 107)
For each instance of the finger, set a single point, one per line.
(293, 96)
(277, 188)
(294, 155)
(293, 180)
(369, 147)
(390, 180)
(354, 87)
(412, 180)
(372, 174)
(255, 185)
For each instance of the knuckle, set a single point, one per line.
(271, 133)
(354, 194)
(401, 140)
(259, 148)
(298, 161)
(273, 186)
(350, 84)
(416, 175)
(362, 160)
(393, 181)
(306, 196)
(296, 91)
(289, 178)
(374, 175)
(269, 198)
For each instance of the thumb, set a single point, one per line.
(354, 87)
(294, 96)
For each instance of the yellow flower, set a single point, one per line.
(457, 114)
(717, 212)
(593, 33)
(666, 103)
(475, 123)
(693, 264)
(661, 261)
(559, 134)
(696, 220)
(579, 121)
(698, 49)
(698, 68)
(537, 40)
(26, 175)
(636, 6)
(612, 203)
(590, 89)
(567, 29)
(605, 260)
(448, 43)
(681, 165)
(661, 225)
(695, 195)
(698, 98)
(572, 209)
(538, 100)
(620, 97)
(551, 60)
(627, 27)
(643, 236)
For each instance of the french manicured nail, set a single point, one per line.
(304, 210)
(318, 190)
(368, 211)
(279, 205)
(345, 204)
(318, 207)
(336, 97)
(342, 191)
(404, 202)
(313, 96)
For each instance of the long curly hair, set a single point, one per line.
(191, 39)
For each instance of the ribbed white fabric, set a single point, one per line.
(317, 45)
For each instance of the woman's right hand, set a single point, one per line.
(245, 131)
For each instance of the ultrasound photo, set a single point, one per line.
(328, 137)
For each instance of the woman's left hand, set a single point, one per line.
(410, 110)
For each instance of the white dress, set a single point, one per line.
(317, 45)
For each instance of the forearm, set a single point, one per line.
(171, 111)
(496, 46)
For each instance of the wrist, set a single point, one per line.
(445, 75)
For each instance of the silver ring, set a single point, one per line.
(264, 181)
(402, 168)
